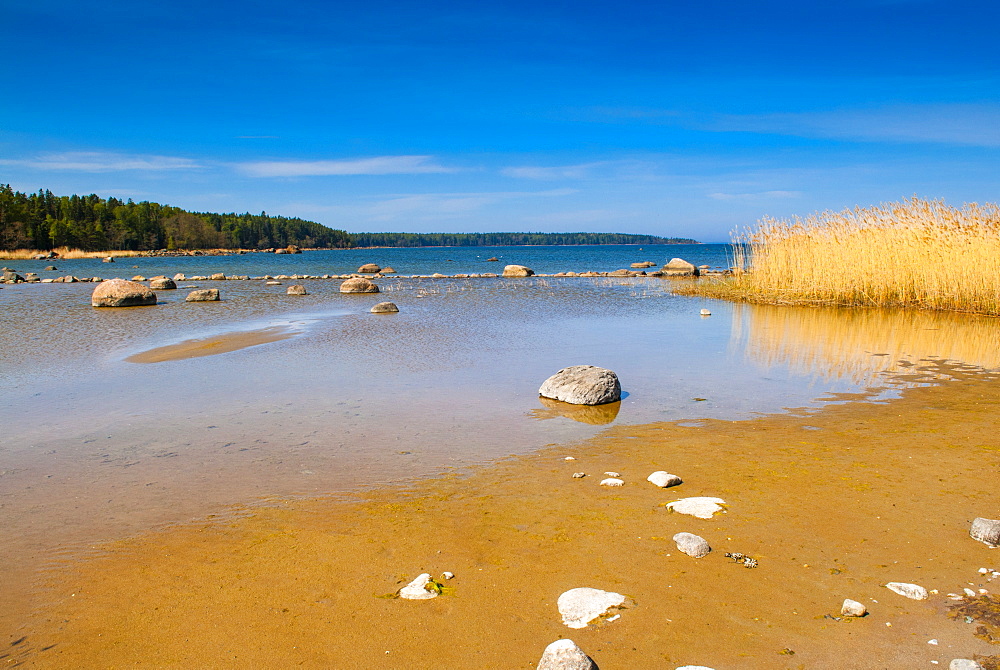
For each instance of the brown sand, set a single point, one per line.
(833, 505)
(209, 346)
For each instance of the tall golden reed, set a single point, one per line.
(920, 253)
(63, 252)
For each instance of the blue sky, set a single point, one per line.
(671, 118)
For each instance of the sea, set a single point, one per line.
(95, 447)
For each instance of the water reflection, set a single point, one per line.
(596, 415)
(863, 345)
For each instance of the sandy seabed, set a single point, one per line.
(832, 503)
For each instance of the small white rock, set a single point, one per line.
(579, 607)
(983, 571)
(983, 592)
(964, 664)
(448, 575)
(969, 592)
(579, 475)
(912, 591)
(934, 642)
(853, 608)
(565, 655)
(706, 312)
(611, 481)
(701, 507)
(612, 474)
(693, 545)
(694, 667)
(664, 479)
(569, 458)
(415, 590)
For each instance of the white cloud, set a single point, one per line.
(554, 172)
(378, 165)
(94, 161)
(966, 124)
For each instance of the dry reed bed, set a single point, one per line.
(921, 253)
(64, 252)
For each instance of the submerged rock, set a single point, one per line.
(565, 655)
(583, 385)
(986, 531)
(358, 285)
(581, 606)
(517, 271)
(700, 506)
(203, 295)
(911, 591)
(122, 293)
(693, 545)
(417, 589)
(385, 308)
(664, 479)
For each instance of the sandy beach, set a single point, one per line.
(832, 503)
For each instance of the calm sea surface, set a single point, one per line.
(93, 447)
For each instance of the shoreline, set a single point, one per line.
(833, 504)
(40, 254)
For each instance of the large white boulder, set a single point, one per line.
(583, 385)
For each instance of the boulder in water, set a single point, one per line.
(203, 295)
(583, 385)
(358, 285)
(122, 293)
(517, 271)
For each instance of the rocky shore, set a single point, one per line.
(849, 538)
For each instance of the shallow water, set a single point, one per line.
(95, 447)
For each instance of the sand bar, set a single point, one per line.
(832, 504)
(209, 346)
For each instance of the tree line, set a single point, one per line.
(92, 223)
(505, 239)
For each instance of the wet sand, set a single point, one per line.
(209, 346)
(833, 504)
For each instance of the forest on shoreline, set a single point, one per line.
(45, 221)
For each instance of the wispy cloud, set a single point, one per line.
(965, 124)
(762, 195)
(580, 171)
(94, 161)
(378, 165)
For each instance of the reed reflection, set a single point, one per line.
(864, 345)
